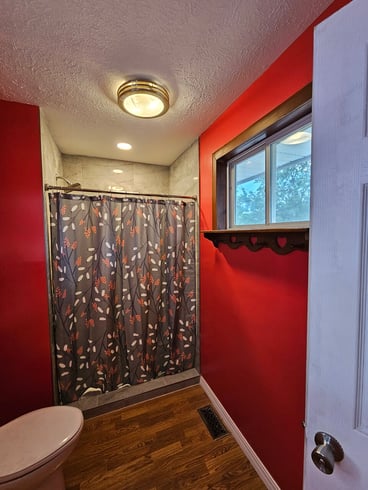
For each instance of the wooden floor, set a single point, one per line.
(161, 444)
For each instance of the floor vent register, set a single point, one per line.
(213, 423)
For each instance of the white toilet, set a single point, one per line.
(33, 448)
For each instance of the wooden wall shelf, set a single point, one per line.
(282, 241)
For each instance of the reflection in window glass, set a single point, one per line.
(250, 190)
(290, 177)
(270, 183)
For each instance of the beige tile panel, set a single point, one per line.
(184, 172)
(97, 173)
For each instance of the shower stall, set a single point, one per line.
(123, 289)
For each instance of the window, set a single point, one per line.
(270, 182)
(262, 177)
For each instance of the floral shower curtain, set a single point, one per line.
(124, 293)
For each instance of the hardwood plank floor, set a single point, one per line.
(160, 444)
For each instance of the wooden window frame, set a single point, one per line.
(281, 240)
(290, 111)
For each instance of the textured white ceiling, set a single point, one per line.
(70, 56)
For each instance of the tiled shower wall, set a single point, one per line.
(183, 173)
(51, 156)
(98, 173)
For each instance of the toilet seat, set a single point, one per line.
(35, 438)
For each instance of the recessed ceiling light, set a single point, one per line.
(118, 171)
(124, 146)
(143, 98)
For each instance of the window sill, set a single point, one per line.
(281, 240)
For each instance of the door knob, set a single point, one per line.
(327, 452)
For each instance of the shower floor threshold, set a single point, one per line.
(97, 404)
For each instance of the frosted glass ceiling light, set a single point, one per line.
(142, 98)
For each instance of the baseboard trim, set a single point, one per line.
(257, 464)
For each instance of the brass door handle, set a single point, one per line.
(327, 452)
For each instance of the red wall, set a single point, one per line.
(25, 365)
(254, 304)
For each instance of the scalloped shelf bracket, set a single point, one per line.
(281, 242)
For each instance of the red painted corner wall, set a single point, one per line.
(254, 305)
(25, 364)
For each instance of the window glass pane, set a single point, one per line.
(250, 190)
(290, 171)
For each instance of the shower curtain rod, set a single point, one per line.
(49, 187)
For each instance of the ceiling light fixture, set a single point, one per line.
(124, 146)
(142, 98)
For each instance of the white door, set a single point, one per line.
(337, 379)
